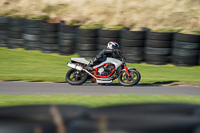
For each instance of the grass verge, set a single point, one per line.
(93, 100)
(23, 65)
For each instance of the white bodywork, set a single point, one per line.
(104, 81)
(114, 61)
(81, 60)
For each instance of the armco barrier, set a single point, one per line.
(128, 118)
(138, 46)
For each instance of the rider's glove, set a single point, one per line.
(117, 51)
(124, 57)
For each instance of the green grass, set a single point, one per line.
(24, 65)
(93, 100)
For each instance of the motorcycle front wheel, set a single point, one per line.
(129, 81)
(75, 77)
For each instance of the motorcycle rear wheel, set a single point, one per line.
(75, 77)
(135, 78)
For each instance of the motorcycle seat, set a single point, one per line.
(81, 60)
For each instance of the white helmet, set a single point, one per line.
(113, 45)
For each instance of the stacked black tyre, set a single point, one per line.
(3, 31)
(158, 48)
(185, 49)
(132, 43)
(49, 38)
(106, 36)
(15, 33)
(199, 57)
(32, 34)
(87, 42)
(67, 39)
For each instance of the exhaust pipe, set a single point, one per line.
(72, 65)
(80, 68)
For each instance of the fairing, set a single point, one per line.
(80, 60)
(116, 62)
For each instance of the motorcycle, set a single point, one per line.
(102, 73)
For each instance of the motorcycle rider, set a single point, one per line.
(112, 48)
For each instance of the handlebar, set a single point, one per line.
(121, 55)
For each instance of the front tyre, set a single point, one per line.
(75, 77)
(129, 81)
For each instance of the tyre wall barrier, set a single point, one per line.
(87, 42)
(3, 31)
(32, 34)
(199, 58)
(158, 48)
(106, 36)
(185, 50)
(166, 117)
(132, 43)
(15, 32)
(67, 39)
(49, 37)
(138, 46)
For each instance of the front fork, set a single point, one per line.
(126, 69)
(127, 72)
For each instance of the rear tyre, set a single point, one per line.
(135, 78)
(75, 77)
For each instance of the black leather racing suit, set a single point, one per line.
(103, 55)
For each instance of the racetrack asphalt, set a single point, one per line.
(45, 88)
